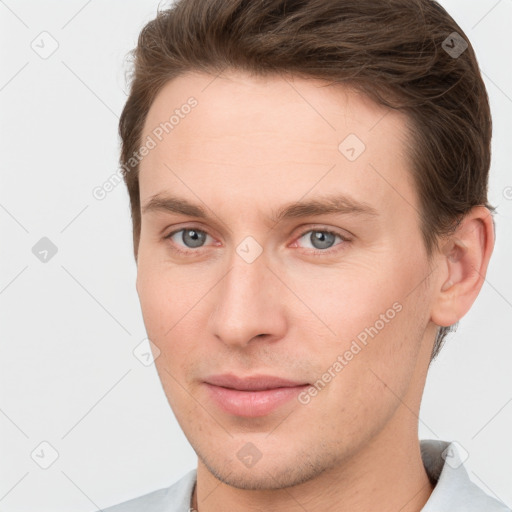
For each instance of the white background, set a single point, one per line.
(68, 327)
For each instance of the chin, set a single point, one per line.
(271, 471)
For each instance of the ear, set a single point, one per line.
(463, 260)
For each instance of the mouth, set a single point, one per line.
(252, 396)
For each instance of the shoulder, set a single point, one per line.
(453, 491)
(175, 498)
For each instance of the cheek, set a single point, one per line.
(170, 301)
(365, 382)
(165, 322)
(374, 321)
(163, 293)
(161, 308)
(348, 301)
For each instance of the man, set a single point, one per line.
(308, 184)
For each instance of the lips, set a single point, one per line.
(252, 382)
(252, 396)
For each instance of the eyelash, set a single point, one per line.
(312, 252)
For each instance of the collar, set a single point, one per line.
(453, 491)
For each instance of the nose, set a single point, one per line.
(250, 303)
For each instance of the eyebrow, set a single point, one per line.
(324, 205)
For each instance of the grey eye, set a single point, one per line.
(192, 237)
(321, 239)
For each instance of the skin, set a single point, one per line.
(250, 146)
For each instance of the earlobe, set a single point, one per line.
(464, 261)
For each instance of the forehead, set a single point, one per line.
(276, 102)
(262, 134)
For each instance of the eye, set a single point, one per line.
(322, 240)
(191, 237)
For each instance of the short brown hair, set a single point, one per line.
(395, 51)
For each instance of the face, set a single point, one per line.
(336, 299)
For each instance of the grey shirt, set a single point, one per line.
(453, 491)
